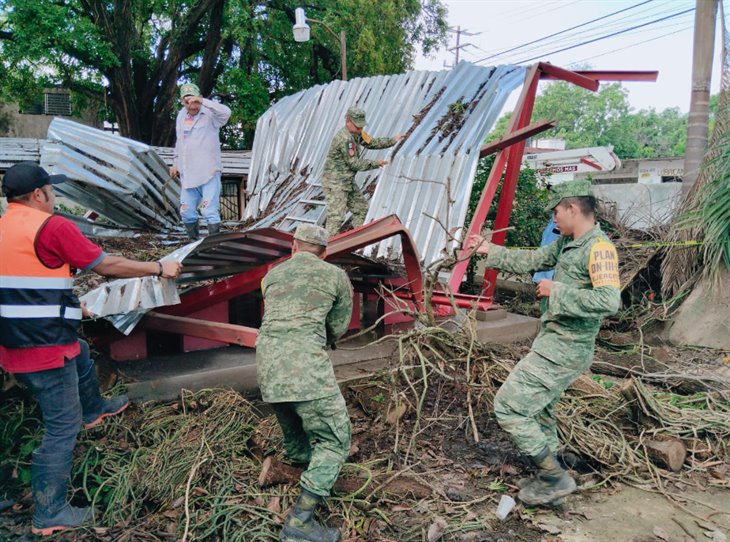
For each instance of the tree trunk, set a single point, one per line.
(699, 108)
(274, 473)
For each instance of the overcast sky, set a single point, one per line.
(665, 45)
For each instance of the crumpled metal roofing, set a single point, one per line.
(125, 301)
(127, 296)
(446, 115)
(119, 178)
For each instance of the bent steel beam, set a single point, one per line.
(510, 155)
(517, 136)
(375, 231)
(609, 75)
(204, 329)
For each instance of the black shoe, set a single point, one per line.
(193, 231)
(214, 228)
(49, 481)
(300, 525)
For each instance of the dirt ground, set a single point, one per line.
(630, 514)
(463, 480)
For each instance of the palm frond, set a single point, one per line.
(704, 214)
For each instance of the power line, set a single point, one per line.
(634, 44)
(588, 35)
(650, 11)
(520, 7)
(566, 30)
(606, 36)
(644, 13)
(541, 13)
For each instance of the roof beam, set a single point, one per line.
(610, 75)
(514, 137)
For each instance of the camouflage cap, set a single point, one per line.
(309, 233)
(570, 189)
(189, 89)
(356, 116)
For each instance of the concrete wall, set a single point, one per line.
(648, 171)
(641, 206)
(13, 123)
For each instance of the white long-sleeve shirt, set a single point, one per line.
(198, 149)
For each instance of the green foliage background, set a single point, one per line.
(590, 119)
(129, 57)
(528, 217)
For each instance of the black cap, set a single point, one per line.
(25, 177)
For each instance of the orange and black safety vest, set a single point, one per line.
(37, 303)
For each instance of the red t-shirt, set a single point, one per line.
(59, 241)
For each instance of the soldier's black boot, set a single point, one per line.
(300, 525)
(551, 483)
(192, 229)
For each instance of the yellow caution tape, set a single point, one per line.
(655, 244)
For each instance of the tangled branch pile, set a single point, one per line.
(609, 427)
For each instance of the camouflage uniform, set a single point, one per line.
(308, 305)
(344, 160)
(585, 289)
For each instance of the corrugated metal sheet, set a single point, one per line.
(125, 301)
(96, 229)
(134, 296)
(14, 150)
(17, 149)
(446, 114)
(119, 178)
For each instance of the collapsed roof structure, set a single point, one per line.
(119, 178)
(446, 115)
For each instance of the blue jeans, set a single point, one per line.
(205, 197)
(57, 393)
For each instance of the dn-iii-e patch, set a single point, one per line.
(603, 265)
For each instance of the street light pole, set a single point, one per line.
(301, 34)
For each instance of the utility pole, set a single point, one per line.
(699, 106)
(459, 46)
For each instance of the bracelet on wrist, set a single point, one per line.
(160, 273)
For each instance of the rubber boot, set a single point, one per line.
(94, 407)
(214, 228)
(193, 231)
(49, 482)
(550, 484)
(300, 525)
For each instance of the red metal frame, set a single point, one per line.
(510, 156)
(509, 150)
(176, 318)
(608, 75)
(519, 135)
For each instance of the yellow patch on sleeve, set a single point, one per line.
(366, 137)
(603, 265)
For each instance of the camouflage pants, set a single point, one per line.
(342, 196)
(316, 432)
(525, 404)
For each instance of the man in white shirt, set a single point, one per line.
(197, 158)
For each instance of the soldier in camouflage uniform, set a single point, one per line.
(584, 289)
(308, 306)
(344, 160)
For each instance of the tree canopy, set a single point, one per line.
(589, 119)
(130, 55)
